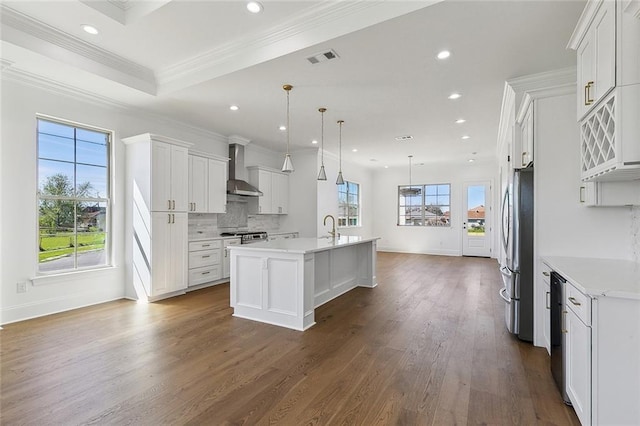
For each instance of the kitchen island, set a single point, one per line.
(282, 282)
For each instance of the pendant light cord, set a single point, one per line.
(340, 145)
(288, 129)
(322, 110)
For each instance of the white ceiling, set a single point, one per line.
(190, 60)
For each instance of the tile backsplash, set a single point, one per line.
(210, 225)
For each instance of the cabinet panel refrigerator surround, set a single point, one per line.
(517, 239)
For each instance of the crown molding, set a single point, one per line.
(314, 25)
(544, 80)
(59, 89)
(34, 35)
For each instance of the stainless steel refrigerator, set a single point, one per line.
(517, 240)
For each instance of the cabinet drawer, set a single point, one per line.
(204, 275)
(202, 258)
(205, 245)
(578, 303)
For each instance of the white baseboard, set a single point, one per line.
(442, 252)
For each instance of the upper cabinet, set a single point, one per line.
(274, 186)
(607, 43)
(207, 183)
(523, 148)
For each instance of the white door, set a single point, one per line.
(476, 232)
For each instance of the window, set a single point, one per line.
(424, 205)
(349, 204)
(73, 197)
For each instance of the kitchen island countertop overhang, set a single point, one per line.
(282, 282)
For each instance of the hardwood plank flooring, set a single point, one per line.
(428, 346)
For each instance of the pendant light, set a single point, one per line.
(410, 190)
(287, 167)
(340, 181)
(322, 175)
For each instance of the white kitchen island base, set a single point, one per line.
(282, 282)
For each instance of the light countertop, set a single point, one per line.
(305, 245)
(599, 277)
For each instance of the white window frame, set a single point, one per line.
(108, 200)
(359, 205)
(423, 206)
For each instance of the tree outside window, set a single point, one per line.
(349, 204)
(73, 197)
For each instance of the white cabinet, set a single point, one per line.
(207, 184)
(274, 186)
(226, 261)
(596, 57)
(168, 253)
(545, 279)
(607, 43)
(169, 164)
(157, 188)
(523, 148)
(578, 351)
(608, 194)
(198, 179)
(205, 261)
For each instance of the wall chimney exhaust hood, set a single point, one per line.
(236, 184)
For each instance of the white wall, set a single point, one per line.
(303, 207)
(18, 242)
(429, 240)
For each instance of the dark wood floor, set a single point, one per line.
(427, 346)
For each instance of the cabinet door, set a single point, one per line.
(586, 71)
(160, 176)
(217, 193)
(280, 202)
(264, 184)
(198, 184)
(160, 252)
(604, 42)
(526, 156)
(578, 366)
(178, 255)
(179, 178)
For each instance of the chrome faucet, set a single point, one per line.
(333, 228)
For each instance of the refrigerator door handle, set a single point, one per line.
(505, 229)
(506, 272)
(501, 293)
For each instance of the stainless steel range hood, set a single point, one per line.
(236, 184)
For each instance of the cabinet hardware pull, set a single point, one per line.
(545, 273)
(169, 218)
(548, 302)
(564, 329)
(174, 217)
(587, 93)
(225, 252)
(523, 154)
(206, 245)
(574, 301)
(204, 257)
(205, 273)
(169, 207)
(174, 204)
(582, 189)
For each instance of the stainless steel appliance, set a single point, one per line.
(558, 311)
(247, 237)
(517, 240)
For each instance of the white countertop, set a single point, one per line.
(599, 277)
(305, 245)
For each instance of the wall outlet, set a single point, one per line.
(21, 287)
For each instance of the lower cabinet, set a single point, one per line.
(545, 278)
(226, 260)
(168, 253)
(205, 261)
(578, 364)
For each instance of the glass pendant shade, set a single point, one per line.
(287, 166)
(340, 181)
(322, 175)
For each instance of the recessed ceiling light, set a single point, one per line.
(471, 160)
(90, 29)
(454, 96)
(283, 128)
(234, 107)
(373, 159)
(466, 137)
(444, 54)
(314, 141)
(386, 167)
(355, 150)
(254, 7)
(460, 120)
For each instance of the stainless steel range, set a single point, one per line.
(247, 237)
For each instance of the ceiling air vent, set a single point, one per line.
(323, 57)
(403, 138)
